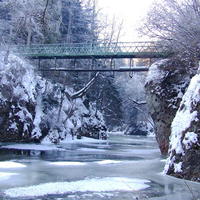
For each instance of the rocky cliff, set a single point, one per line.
(32, 108)
(184, 158)
(165, 85)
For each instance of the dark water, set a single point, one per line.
(129, 157)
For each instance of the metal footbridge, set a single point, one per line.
(94, 50)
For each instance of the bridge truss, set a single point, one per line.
(94, 51)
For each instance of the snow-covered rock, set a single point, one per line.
(184, 159)
(32, 107)
(165, 85)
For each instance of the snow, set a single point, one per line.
(177, 167)
(92, 150)
(36, 104)
(6, 175)
(68, 163)
(36, 147)
(13, 126)
(88, 185)
(185, 116)
(10, 164)
(116, 133)
(163, 160)
(106, 162)
(154, 73)
(181, 137)
(69, 124)
(181, 123)
(189, 139)
(38, 116)
(23, 114)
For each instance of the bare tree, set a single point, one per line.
(176, 24)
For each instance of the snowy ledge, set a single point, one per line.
(89, 185)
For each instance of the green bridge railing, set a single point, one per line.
(96, 50)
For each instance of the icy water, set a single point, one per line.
(122, 168)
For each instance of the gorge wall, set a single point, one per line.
(32, 108)
(165, 86)
(184, 158)
(174, 102)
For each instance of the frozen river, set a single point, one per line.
(122, 168)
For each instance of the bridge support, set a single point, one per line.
(112, 66)
(39, 64)
(92, 67)
(55, 60)
(131, 63)
(74, 63)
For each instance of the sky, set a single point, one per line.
(130, 11)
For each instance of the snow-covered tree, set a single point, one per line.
(61, 21)
(177, 25)
(48, 21)
(28, 22)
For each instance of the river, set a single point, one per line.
(122, 168)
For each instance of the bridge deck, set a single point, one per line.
(88, 51)
(134, 69)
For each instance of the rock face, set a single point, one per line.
(32, 108)
(165, 85)
(184, 159)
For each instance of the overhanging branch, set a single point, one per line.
(82, 91)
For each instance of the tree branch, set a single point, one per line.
(138, 103)
(82, 91)
(45, 10)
